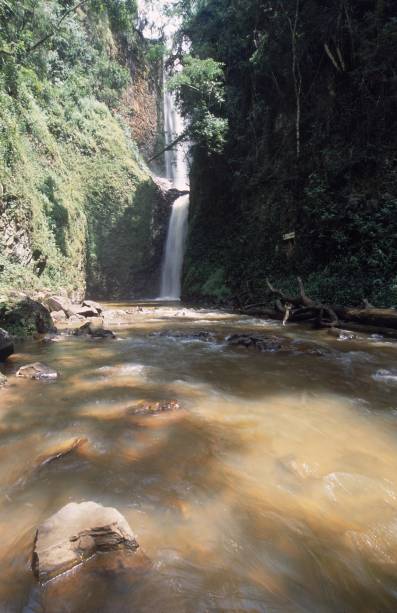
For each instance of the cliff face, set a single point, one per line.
(78, 206)
(307, 181)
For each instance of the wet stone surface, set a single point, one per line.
(75, 533)
(38, 371)
(145, 408)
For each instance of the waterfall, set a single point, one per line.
(177, 172)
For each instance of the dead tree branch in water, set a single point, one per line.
(302, 305)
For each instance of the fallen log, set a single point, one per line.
(323, 315)
(386, 318)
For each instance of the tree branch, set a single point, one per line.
(180, 138)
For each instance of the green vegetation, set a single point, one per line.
(77, 200)
(200, 93)
(309, 93)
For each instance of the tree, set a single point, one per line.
(199, 89)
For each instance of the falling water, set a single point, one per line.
(177, 173)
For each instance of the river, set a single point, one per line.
(273, 489)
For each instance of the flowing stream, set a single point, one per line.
(273, 489)
(177, 174)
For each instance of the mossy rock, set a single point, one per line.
(25, 317)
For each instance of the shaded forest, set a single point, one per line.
(294, 166)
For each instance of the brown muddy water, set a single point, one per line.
(274, 490)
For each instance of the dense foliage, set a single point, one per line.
(309, 154)
(75, 202)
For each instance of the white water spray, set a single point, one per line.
(176, 172)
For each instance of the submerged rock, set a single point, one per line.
(147, 408)
(76, 533)
(263, 343)
(102, 333)
(202, 335)
(272, 343)
(341, 335)
(37, 370)
(60, 451)
(6, 345)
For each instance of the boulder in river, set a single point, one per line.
(86, 311)
(263, 343)
(59, 303)
(6, 345)
(93, 305)
(37, 370)
(96, 331)
(76, 533)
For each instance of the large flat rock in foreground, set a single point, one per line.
(76, 533)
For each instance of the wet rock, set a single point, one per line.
(307, 348)
(93, 305)
(60, 451)
(37, 370)
(263, 343)
(93, 330)
(104, 582)
(102, 333)
(3, 379)
(59, 303)
(50, 455)
(76, 533)
(341, 335)
(272, 343)
(146, 408)
(83, 330)
(58, 315)
(6, 345)
(85, 311)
